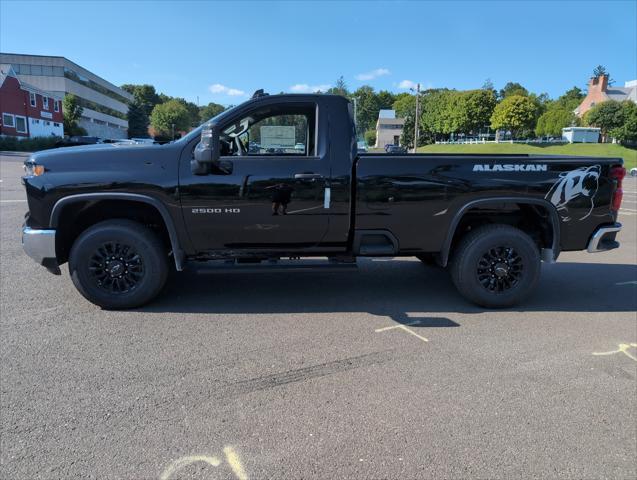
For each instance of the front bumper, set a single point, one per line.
(603, 239)
(40, 246)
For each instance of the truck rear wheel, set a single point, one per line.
(496, 266)
(118, 264)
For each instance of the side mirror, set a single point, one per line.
(207, 151)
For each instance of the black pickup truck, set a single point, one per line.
(278, 180)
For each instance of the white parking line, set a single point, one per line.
(12, 201)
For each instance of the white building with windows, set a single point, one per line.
(388, 128)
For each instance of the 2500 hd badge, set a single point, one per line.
(216, 210)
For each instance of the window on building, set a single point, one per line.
(36, 69)
(56, 105)
(8, 120)
(32, 99)
(56, 124)
(20, 124)
(46, 70)
(45, 102)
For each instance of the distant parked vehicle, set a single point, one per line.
(396, 149)
(300, 147)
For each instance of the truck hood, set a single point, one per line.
(82, 150)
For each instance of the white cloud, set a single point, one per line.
(233, 92)
(305, 88)
(407, 84)
(379, 72)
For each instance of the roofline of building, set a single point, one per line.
(72, 62)
(28, 87)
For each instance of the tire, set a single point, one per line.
(129, 249)
(496, 266)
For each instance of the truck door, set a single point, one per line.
(273, 190)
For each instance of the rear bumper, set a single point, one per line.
(40, 246)
(603, 239)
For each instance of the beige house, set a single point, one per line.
(599, 91)
(388, 128)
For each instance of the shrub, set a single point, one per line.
(370, 138)
(15, 144)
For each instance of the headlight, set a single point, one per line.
(33, 169)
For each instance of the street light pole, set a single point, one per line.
(173, 125)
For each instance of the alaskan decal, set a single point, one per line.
(578, 186)
(511, 167)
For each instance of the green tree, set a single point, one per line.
(439, 113)
(209, 111)
(513, 88)
(367, 107)
(72, 111)
(477, 106)
(165, 115)
(571, 99)
(553, 121)
(385, 100)
(606, 116)
(599, 71)
(145, 95)
(339, 88)
(514, 113)
(192, 108)
(145, 98)
(627, 133)
(370, 138)
(137, 120)
(405, 107)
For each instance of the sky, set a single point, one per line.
(223, 51)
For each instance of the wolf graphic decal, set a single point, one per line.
(579, 186)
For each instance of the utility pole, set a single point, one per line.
(416, 122)
(173, 125)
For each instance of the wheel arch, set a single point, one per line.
(467, 207)
(160, 208)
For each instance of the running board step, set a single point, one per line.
(281, 265)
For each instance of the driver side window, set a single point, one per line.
(272, 133)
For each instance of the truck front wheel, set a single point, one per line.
(118, 264)
(495, 266)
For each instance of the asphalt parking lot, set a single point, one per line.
(383, 373)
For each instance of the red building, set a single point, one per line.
(26, 111)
